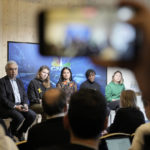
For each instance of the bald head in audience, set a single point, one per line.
(54, 101)
(51, 131)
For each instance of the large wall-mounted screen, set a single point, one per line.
(29, 60)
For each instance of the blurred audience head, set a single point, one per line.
(128, 98)
(87, 114)
(54, 101)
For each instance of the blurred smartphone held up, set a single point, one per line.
(100, 31)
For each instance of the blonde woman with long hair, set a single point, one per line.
(114, 89)
(37, 87)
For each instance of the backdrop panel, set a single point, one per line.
(29, 60)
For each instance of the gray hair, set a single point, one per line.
(9, 63)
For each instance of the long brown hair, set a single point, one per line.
(122, 80)
(128, 99)
(46, 82)
(61, 74)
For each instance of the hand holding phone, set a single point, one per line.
(89, 31)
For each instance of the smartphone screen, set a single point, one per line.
(87, 31)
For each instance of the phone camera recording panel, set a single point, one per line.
(88, 31)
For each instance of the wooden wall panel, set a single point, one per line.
(17, 23)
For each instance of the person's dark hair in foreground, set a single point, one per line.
(87, 113)
(85, 120)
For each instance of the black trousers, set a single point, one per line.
(114, 105)
(21, 121)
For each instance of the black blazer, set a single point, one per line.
(48, 133)
(127, 120)
(7, 98)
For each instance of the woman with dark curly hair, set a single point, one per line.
(66, 83)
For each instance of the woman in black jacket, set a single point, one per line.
(37, 87)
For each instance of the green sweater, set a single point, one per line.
(113, 91)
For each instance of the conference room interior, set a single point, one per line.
(19, 25)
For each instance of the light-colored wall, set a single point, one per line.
(129, 78)
(18, 21)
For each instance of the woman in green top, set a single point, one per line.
(114, 89)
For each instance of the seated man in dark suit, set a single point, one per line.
(85, 120)
(51, 131)
(14, 102)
